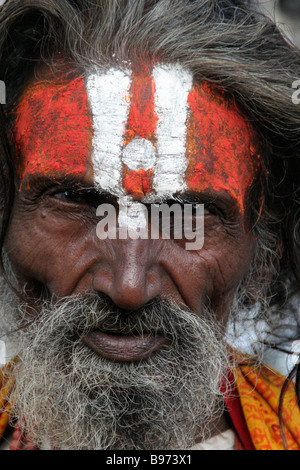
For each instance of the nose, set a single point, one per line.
(133, 276)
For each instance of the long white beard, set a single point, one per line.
(72, 398)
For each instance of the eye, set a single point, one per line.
(196, 206)
(71, 196)
(82, 196)
(209, 210)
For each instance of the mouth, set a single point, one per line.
(124, 348)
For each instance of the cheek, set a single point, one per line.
(211, 275)
(49, 249)
(227, 259)
(229, 250)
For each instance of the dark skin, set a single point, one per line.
(52, 243)
(52, 240)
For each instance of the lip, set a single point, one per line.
(123, 348)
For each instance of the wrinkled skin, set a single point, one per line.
(52, 242)
(52, 238)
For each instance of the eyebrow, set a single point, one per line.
(210, 197)
(40, 182)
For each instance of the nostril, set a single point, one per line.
(132, 276)
(128, 289)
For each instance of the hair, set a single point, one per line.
(222, 42)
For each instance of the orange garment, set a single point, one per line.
(253, 406)
(259, 394)
(6, 391)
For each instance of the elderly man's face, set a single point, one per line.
(140, 132)
(135, 359)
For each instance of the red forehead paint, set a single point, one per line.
(138, 182)
(142, 123)
(142, 119)
(220, 145)
(53, 129)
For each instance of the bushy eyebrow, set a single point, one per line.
(39, 183)
(221, 198)
(41, 180)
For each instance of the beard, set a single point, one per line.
(72, 398)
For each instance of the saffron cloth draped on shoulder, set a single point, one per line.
(259, 391)
(7, 381)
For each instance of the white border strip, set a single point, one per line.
(173, 84)
(108, 97)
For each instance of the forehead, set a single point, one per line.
(143, 130)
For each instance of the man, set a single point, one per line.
(115, 108)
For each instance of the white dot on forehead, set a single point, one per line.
(139, 154)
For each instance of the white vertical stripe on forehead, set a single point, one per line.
(108, 98)
(173, 85)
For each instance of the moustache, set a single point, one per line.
(85, 313)
(117, 334)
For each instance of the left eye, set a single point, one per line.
(70, 196)
(197, 206)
